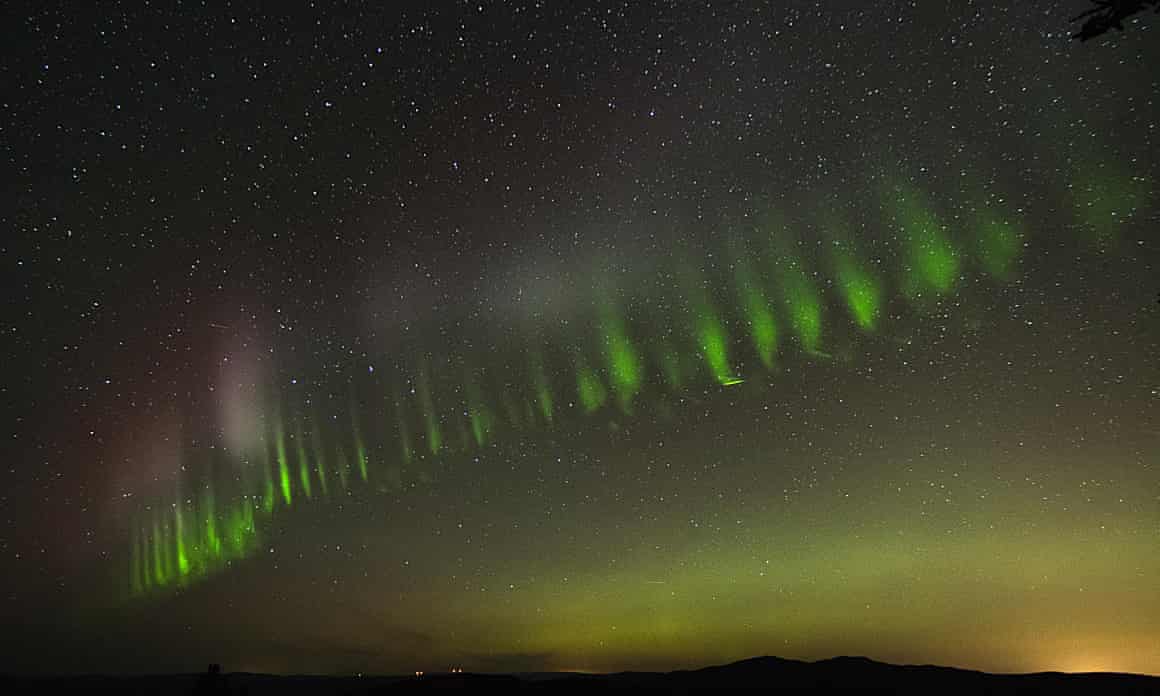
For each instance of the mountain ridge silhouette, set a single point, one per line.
(843, 673)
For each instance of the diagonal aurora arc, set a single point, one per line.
(720, 330)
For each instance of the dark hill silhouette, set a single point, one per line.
(767, 673)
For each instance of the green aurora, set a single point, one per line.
(177, 542)
(620, 371)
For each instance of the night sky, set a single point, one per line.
(593, 336)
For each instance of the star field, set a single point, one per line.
(578, 336)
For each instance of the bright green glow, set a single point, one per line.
(712, 342)
(177, 542)
(303, 463)
(544, 401)
(672, 597)
(763, 329)
(241, 534)
(860, 290)
(477, 412)
(360, 450)
(179, 534)
(857, 284)
(620, 357)
(932, 262)
(165, 555)
(811, 574)
(803, 305)
(543, 389)
(758, 315)
(213, 542)
(191, 545)
(283, 465)
(361, 455)
(708, 331)
(480, 425)
(936, 260)
(434, 434)
(149, 565)
(167, 551)
(998, 244)
(590, 388)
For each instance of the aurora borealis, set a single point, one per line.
(579, 337)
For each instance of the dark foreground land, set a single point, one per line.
(765, 673)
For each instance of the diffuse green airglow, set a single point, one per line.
(543, 389)
(303, 463)
(797, 291)
(589, 387)
(860, 290)
(361, 455)
(179, 535)
(198, 537)
(360, 450)
(708, 331)
(267, 479)
(932, 264)
(283, 465)
(406, 448)
(758, 314)
(213, 541)
(477, 411)
(713, 344)
(1106, 197)
(241, 531)
(998, 242)
(621, 359)
(193, 546)
(803, 305)
(480, 425)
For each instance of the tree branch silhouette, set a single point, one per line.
(1106, 15)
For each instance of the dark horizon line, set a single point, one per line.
(838, 659)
